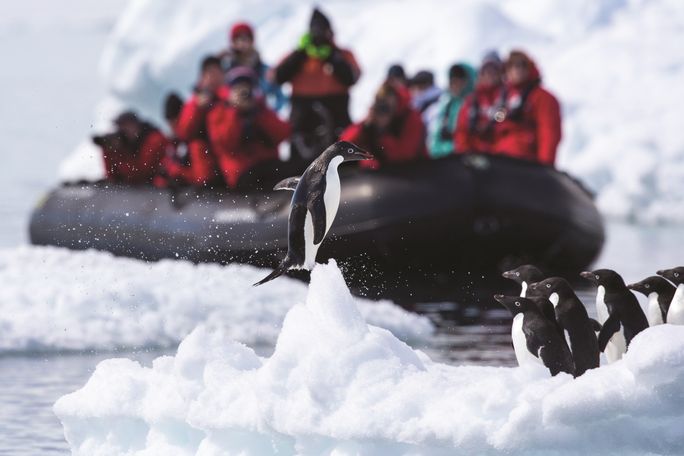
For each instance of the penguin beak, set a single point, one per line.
(588, 275)
(501, 299)
(665, 273)
(508, 275)
(362, 155)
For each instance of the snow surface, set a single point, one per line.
(338, 386)
(616, 66)
(54, 300)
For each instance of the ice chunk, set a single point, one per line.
(336, 385)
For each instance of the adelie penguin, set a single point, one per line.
(314, 206)
(659, 293)
(524, 276)
(675, 314)
(536, 339)
(618, 311)
(579, 330)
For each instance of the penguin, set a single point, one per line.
(314, 206)
(675, 314)
(535, 339)
(571, 315)
(619, 312)
(659, 293)
(524, 275)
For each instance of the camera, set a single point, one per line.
(382, 107)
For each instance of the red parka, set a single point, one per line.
(475, 125)
(200, 166)
(403, 141)
(240, 140)
(531, 129)
(192, 122)
(139, 163)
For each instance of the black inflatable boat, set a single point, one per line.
(431, 220)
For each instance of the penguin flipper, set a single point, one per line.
(318, 213)
(287, 184)
(610, 327)
(595, 325)
(277, 272)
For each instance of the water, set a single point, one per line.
(31, 383)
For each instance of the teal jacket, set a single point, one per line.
(441, 132)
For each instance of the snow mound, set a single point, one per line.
(615, 65)
(338, 386)
(53, 299)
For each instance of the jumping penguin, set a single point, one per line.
(618, 311)
(579, 330)
(659, 293)
(675, 314)
(314, 206)
(535, 339)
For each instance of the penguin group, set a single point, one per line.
(551, 326)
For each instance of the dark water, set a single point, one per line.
(466, 334)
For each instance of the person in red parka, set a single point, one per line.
(321, 74)
(190, 127)
(244, 134)
(133, 154)
(392, 131)
(475, 125)
(530, 123)
(186, 162)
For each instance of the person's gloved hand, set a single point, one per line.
(317, 52)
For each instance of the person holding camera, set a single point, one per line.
(186, 162)
(209, 93)
(133, 153)
(244, 134)
(477, 118)
(393, 131)
(320, 74)
(441, 130)
(241, 52)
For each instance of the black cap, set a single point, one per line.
(241, 74)
(423, 77)
(396, 71)
(126, 117)
(319, 19)
(458, 71)
(173, 105)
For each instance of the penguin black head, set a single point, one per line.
(348, 151)
(516, 304)
(525, 273)
(674, 275)
(607, 278)
(552, 285)
(653, 284)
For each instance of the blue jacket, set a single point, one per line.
(441, 129)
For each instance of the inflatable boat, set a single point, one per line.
(432, 220)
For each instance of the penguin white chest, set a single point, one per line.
(555, 299)
(522, 354)
(675, 314)
(333, 190)
(523, 292)
(601, 308)
(655, 316)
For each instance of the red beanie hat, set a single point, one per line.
(241, 28)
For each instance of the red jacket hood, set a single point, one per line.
(535, 74)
